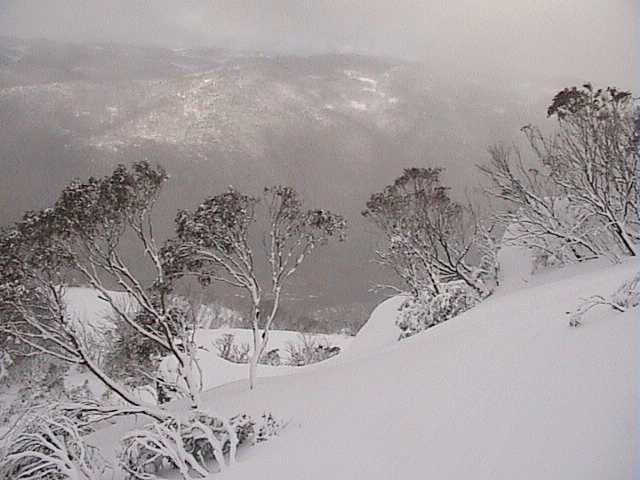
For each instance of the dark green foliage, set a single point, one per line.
(429, 238)
(131, 354)
(601, 103)
(219, 222)
(79, 237)
(215, 238)
(50, 244)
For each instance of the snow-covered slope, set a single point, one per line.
(516, 262)
(505, 391)
(379, 332)
(217, 371)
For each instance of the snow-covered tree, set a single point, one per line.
(429, 309)
(429, 239)
(578, 198)
(49, 446)
(81, 236)
(214, 243)
(538, 216)
(625, 297)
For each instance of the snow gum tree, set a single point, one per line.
(429, 239)
(579, 197)
(80, 237)
(214, 243)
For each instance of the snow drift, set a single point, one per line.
(506, 390)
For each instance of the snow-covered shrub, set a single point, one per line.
(625, 297)
(230, 351)
(577, 196)
(272, 357)
(427, 310)
(185, 444)
(309, 349)
(50, 447)
(269, 427)
(35, 381)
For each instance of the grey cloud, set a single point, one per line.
(584, 38)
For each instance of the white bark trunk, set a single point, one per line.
(253, 367)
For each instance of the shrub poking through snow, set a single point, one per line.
(310, 349)
(272, 357)
(625, 297)
(187, 445)
(427, 310)
(231, 352)
(269, 427)
(49, 447)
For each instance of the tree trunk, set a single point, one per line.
(626, 242)
(255, 327)
(253, 367)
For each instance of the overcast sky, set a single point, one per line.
(586, 38)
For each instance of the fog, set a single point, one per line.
(522, 52)
(579, 38)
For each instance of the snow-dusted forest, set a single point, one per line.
(243, 263)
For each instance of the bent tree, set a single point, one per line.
(429, 239)
(579, 196)
(214, 243)
(80, 238)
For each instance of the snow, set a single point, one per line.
(86, 304)
(516, 262)
(217, 371)
(506, 390)
(379, 332)
(278, 339)
(369, 81)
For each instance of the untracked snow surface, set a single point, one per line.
(505, 391)
(379, 332)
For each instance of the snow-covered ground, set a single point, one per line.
(507, 390)
(379, 332)
(217, 371)
(516, 262)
